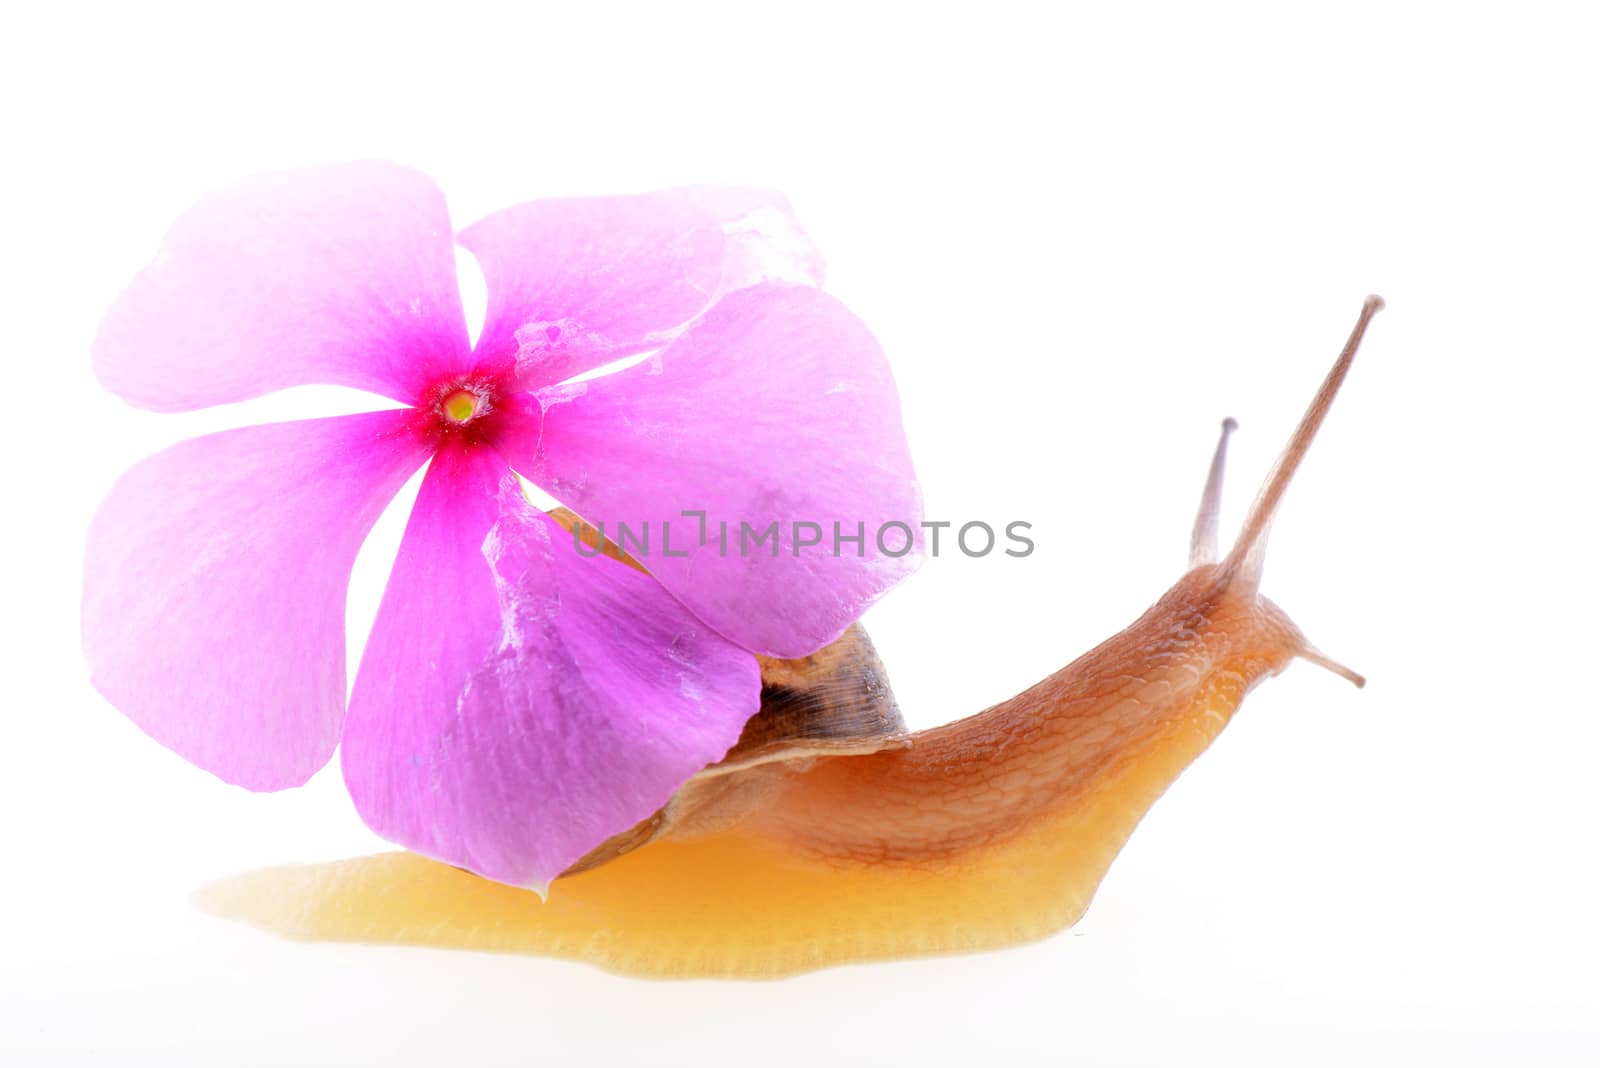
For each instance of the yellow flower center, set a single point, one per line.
(460, 406)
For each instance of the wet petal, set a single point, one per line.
(214, 588)
(334, 276)
(777, 408)
(583, 281)
(518, 703)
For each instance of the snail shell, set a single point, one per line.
(835, 702)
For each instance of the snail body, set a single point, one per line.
(830, 834)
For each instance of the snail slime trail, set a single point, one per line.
(831, 834)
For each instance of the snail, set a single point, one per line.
(831, 834)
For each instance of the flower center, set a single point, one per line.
(461, 406)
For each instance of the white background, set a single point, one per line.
(1084, 234)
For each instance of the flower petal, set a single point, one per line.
(776, 407)
(581, 282)
(518, 703)
(214, 588)
(332, 276)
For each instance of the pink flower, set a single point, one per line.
(516, 703)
